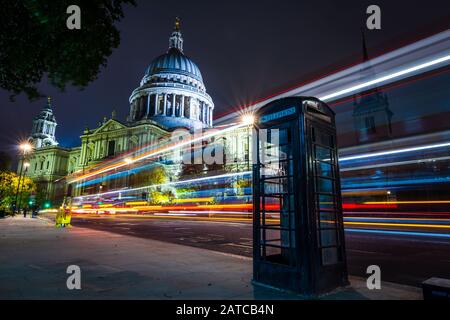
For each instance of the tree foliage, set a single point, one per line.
(157, 175)
(161, 197)
(8, 188)
(35, 41)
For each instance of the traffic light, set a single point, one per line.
(47, 204)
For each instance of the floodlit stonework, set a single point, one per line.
(171, 95)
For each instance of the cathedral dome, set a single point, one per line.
(172, 92)
(174, 62)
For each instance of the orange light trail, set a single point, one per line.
(210, 199)
(407, 202)
(411, 225)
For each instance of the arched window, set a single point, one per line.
(178, 100)
(160, 104)
(170, 106)
(187, 107)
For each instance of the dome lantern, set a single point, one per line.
(176, 39)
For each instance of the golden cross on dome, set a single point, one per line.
(177, 24)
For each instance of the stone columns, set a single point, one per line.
(204, 113)
(173, 104)
(97, 149)
(211, 116)
(182, 107)
(83, 152)
(156, 104)
(148, 106)
(165, 104)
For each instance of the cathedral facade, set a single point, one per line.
(171, 95)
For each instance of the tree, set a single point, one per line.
(8, 189)
(157, 175)
(35, 41)
(158, 197)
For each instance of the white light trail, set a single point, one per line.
(392, 164)
(385, 153)
(228, 175)
(388, 77)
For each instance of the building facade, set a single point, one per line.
(171, 95)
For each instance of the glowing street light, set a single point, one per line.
(128, 160)
(248, 119)
(26, 147)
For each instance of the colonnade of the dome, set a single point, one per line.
(171, 104)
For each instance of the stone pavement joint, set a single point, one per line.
(34, 256)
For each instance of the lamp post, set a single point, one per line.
(249, 120)
(128, 162)
(25, 148)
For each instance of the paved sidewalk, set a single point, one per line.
(34, 257)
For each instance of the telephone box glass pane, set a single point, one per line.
(323, 154)
(327, 220)
(328, 237)
(277, 194)
(324, 185)
(325, 168)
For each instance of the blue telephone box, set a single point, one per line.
(298, 231)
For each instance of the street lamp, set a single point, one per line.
(248, 119)
(25, 148)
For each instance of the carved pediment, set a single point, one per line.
(110, 125)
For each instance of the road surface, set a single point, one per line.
(403, 258)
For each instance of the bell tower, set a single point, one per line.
(372, 115)
(44, 127)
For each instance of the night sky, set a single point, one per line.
(245, 50)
